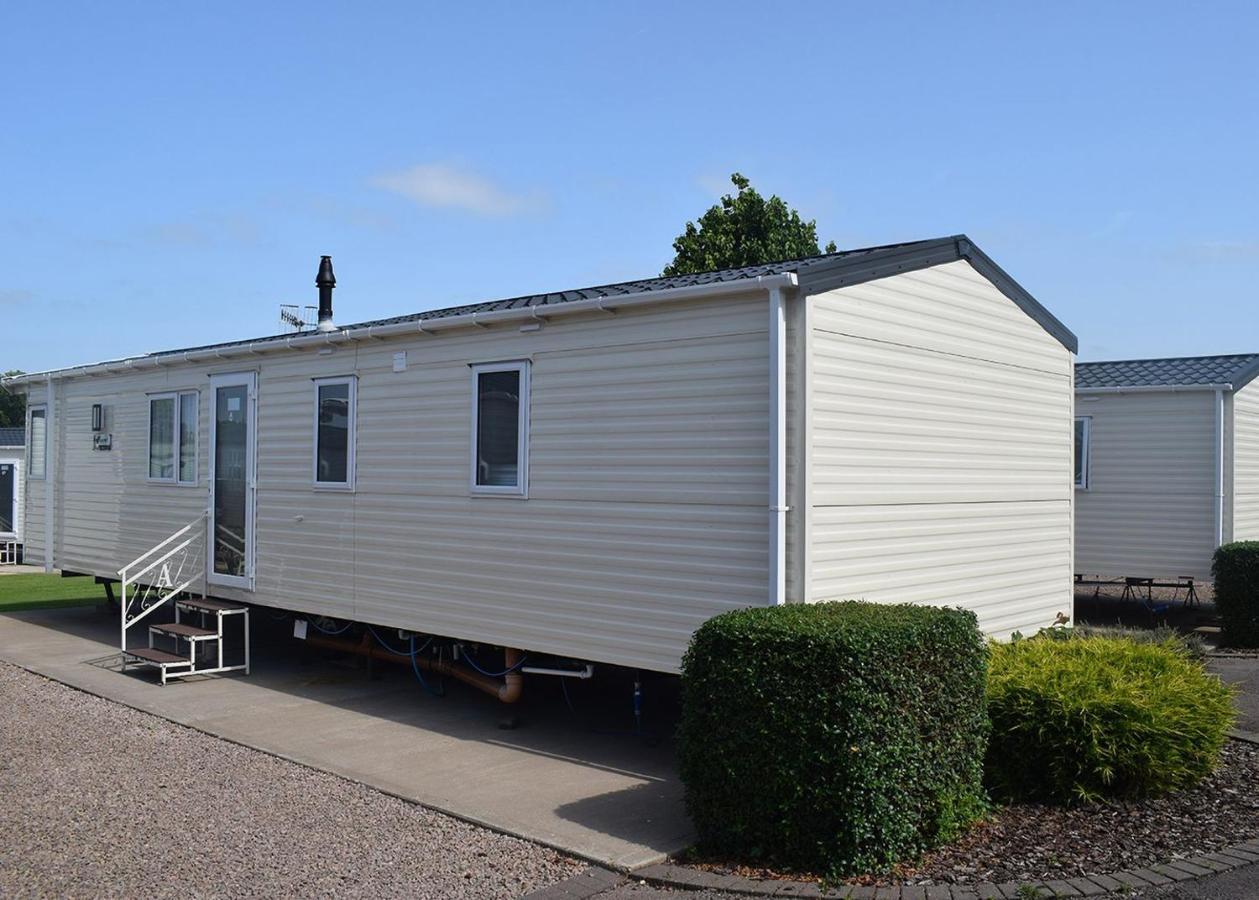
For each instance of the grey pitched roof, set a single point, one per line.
(13, 437)
(1187, 371)
(814, 274)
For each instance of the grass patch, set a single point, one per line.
(45, 591)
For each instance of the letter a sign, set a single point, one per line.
(164, 580)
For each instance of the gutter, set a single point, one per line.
(1155, 388)
(421, 326)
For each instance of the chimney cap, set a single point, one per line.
(325, 278)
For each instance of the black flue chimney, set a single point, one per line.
(325, 281)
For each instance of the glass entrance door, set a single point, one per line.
(232, 419)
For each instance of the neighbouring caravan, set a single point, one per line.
(593, 473)
(12, 458)
(1167, 464)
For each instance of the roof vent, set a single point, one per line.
(325, 281)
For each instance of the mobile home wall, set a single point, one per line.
(941, 450)
(647, 496)
(1149, 509)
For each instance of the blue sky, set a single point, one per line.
(170, 173)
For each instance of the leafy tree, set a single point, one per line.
(744, 230)
(12, 405)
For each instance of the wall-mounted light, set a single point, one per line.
(98, 417)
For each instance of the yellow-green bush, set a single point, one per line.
(1076, 720)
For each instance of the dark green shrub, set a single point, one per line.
(835, 737)
(1236, 573)
(1083, 719)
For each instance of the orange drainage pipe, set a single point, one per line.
(506, 691)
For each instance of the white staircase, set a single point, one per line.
(164, 574)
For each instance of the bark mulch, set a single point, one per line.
(1034, 843)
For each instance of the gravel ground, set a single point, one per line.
(99, 800)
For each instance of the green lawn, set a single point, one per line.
(47, 591)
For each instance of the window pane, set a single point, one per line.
(231, 469)
(498, 429)
(1079, 451)
(332, 455)
(188, 437)
(162, 438)
(39, 442)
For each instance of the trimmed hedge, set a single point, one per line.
(833, 737)
(1236, 573)
(1080, 720)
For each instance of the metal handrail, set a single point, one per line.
(168, 586)
(193, 524)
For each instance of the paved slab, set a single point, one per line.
(1243, 672)
(609, 798)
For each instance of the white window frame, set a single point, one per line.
(1086, 452)
(520, 490)
(30, 443)
(351, 435)
(176, 397)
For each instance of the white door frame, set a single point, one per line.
(250, 381)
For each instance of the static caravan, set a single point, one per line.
(1167, 464)
(12, 458)
(590, 474)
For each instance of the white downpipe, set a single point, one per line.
(777, 448)
(1219, 467)
(50, 469)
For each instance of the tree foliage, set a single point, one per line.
(12, 405)
(744, 230)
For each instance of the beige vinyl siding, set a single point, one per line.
(648, 483)
(1245, 486)
(941, 450)
(1150, 506)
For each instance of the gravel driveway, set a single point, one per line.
(97, 799)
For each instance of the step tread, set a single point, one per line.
(208, 605)
(149, 654)
(182, 630)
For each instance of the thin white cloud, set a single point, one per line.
(15, 296)
(446, 186)
(1227, 250)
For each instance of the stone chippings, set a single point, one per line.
(100, 800)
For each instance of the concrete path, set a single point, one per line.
(1244, 672)
(609, 798)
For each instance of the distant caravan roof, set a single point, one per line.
(812, 274)
(1186, 371)
(13, 437)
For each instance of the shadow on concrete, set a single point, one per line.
(526, 769)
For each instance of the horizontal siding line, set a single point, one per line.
(980, 359)
(654, 342)
(945, 502)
